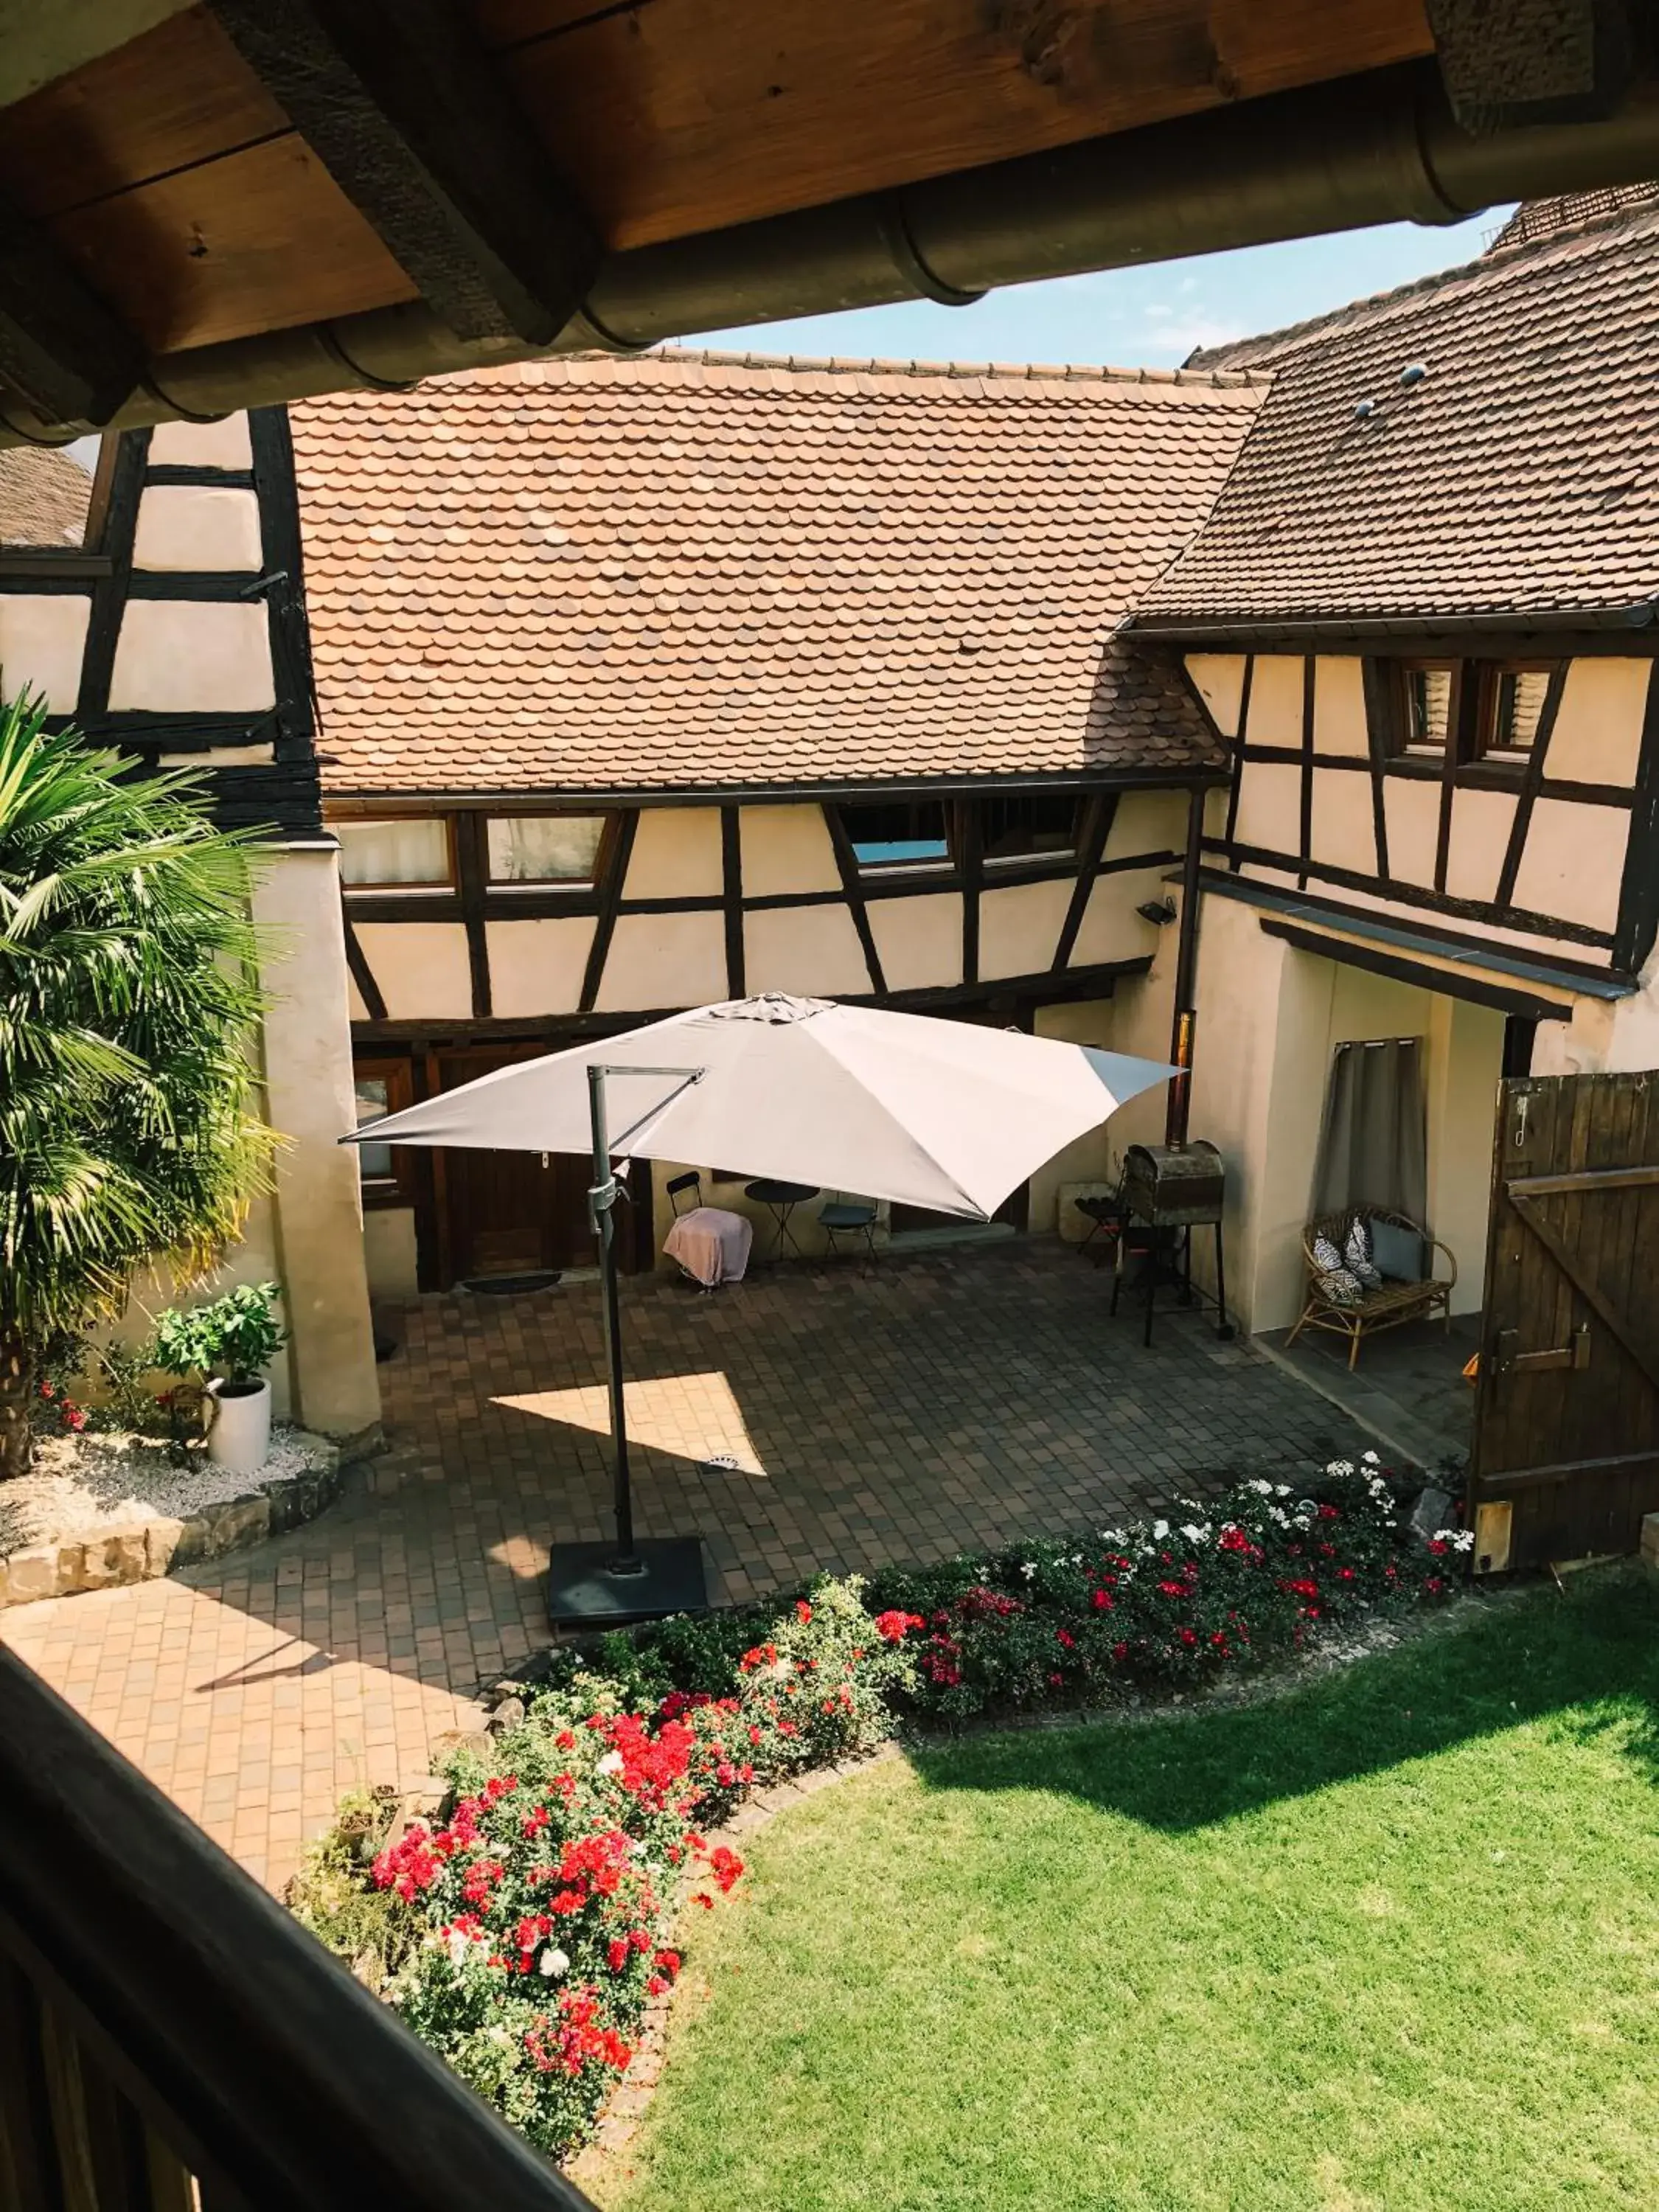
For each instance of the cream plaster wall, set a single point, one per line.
(1087, 1021)
(1339, 723)
(421, 967)
(1020, 927)
(42, 638)
(677, 853)
(189, 657)
(1343, 817)
(308, 1090)
(1411, 809)
(786, 848)
(222, 445)
(663, 960)
(1481, 825)
(1618, 1037)
(918, 939)
(1573, 862)
(191, 527)
(1219, 680)
(536, 967)
(389, 1252)
(810, 951)
(254, 1258)
(1275, 712)
(1111, 929)
(1464, 1064)
(1270, 805)
(1147, 822)
(1598, 733)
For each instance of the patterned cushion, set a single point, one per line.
(1340, 1288)
(1356, 1254)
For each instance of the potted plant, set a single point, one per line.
(228, 1344)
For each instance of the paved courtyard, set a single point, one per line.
(938, 1403)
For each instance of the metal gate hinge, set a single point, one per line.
(1576, 1353)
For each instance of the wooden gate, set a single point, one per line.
(1566, 1432)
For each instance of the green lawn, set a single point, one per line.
(1388, 1943)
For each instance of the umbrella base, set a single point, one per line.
(585, 1590)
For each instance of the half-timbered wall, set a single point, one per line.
(1357, 888)
(695, 902)
(178, 634)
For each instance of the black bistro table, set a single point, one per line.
(781, 1199)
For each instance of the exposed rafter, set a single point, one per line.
(72, 359)
(403, 108)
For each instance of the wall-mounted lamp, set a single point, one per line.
(1157, 911)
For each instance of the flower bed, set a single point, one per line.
(524, 1935)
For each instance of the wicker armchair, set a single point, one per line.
(1386, 1306)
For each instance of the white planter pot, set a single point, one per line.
(240, 1438)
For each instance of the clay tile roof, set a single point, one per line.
(695, 568)
(1519, 475)
(44, 497)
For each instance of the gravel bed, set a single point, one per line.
(103, 1480)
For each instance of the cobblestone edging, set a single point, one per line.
(137, 1550)
(619, 2122)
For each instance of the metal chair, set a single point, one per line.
(849, 1217)
(676, 1185)
(1103, 1211)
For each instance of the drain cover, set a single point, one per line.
(722, 1463)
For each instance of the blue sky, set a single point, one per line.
(1136, 317)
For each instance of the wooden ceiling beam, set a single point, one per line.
(403, 106)
(61, 347)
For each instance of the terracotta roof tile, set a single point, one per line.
(693, 568)
(44, 497)
(1519, 474)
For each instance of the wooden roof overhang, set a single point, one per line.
(215, 205)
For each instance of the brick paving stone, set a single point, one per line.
(936, 1404)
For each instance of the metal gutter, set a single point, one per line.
(1311, 629)
(1380, 147)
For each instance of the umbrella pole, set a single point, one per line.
(602, 1203)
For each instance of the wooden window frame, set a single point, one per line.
(446, 890)
(397, 1190)
(994, 863)
(947, 865)
(512, 887)
(1483, 717)
(1400, 744)
(86, 558)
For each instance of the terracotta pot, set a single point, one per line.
(240, 1438)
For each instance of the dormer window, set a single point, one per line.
(1426, 694)
(1509, 709)
(1488, 711)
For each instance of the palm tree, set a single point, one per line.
(129, 1002)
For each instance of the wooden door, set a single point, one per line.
(1566, 1460)
(508, 1212)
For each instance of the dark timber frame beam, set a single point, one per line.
(401, 103)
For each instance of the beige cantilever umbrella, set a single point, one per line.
(943, 1115)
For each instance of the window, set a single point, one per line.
(544, 848)
(410, 854)
(1427, 689)
(380, 1087)
(899, 833)
(1027, 824)
(1511, 703)
(53, 498)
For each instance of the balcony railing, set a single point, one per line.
(172, 2041)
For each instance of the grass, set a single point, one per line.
(1388, 1942)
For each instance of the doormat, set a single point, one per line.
(513, 1286)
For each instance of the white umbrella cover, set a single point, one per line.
(937, 1114)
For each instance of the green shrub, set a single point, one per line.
(237, 1336)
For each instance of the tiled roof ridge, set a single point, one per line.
(895, 373)
(1494, 257)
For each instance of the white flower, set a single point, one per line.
(460, 1944)
(1281, 1490)
(1261, 1489)
(1160, 1530)
(1277, 1513)
(612, 1763)
(1371, 1459)
(1193, 1534)
(552, 1965)
(1456, 1539)
(1340, 1466)
(502, 2036)
(1029, 1569)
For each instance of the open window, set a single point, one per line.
(1509, 709)
(901, 833)
(545, 850)
(406, 853)
(381, 1087)
(1029, 825)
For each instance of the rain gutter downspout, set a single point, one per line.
(1184, 1026)
(1381, 146)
